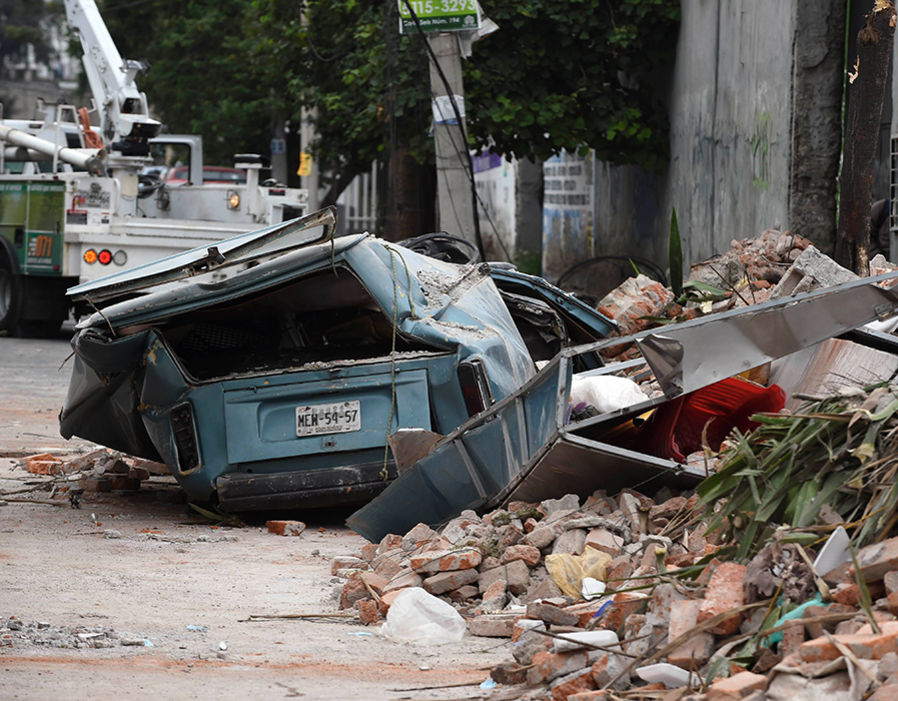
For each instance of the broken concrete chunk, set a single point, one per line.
(696, 651)
(443, 582)
(550, 665)
(516, 575)
(551, 614)
(493, 625)
(570, 542)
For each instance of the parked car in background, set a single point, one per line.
(279, 385)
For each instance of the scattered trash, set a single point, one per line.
(488, 684)
(418, 617)
(196, 629)
(671, 676)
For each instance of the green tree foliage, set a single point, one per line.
(559, 74)
(574, 73)
(22, 22)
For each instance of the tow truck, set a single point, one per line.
(76, 206)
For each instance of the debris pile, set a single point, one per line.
(626, 590)
(15, 632)
(100, 470)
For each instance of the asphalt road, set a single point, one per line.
(34, 378)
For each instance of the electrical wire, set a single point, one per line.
(461, 124)
(468, 167)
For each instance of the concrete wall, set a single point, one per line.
(730, 115)
(511, 223)
(749, 76)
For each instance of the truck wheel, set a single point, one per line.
(10, 293)
(38, 328)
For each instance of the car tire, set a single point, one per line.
(10, 289)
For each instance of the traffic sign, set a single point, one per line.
(439, 15)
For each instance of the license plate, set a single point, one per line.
(341, 417)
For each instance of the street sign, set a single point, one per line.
(439, 15)
(278, 147)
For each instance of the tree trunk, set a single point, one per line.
(867, 83)
(408, 202)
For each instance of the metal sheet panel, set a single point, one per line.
(692, 355)
(573, 464)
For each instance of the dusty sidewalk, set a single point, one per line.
(60, 572)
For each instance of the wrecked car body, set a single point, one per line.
(528, 447)
(278, 385)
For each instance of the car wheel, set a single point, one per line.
(10, 293)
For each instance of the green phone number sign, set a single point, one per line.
(439, 15)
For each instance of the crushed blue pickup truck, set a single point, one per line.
(269, 371)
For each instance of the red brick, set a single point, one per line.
(43, 464)
(736, 687)
(527, 553)
(609, 669)
(868, 647)
(387, 600)
(375, 582)
(623, 604)
(353, 591)
(550, 665)
(445, 561)
(877, 559)
(420, 534)
(724, 593)
(694, 652)
(887, 692)
(510, 673)
(522, 625)
(494, 596)
(442, 582)
(530, 524)
(606, 541)
(285, 527)
(516, 575)
(390, 541)
(574, 683)
(369, 550)
(544, 611)
(346, 563)
(368, 613)
(404, 578)
(388, 567)
(585, 612)
(43, 467)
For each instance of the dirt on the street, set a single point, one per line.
(134, 595)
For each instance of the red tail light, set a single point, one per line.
(475, 386)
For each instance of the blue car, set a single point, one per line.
(268, 371)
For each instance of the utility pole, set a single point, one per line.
(455, 213)
(308, 167)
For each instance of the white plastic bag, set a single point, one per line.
(605, 392)
(418, 617)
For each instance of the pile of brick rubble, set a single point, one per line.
(675, 609)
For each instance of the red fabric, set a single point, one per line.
(675, 429)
